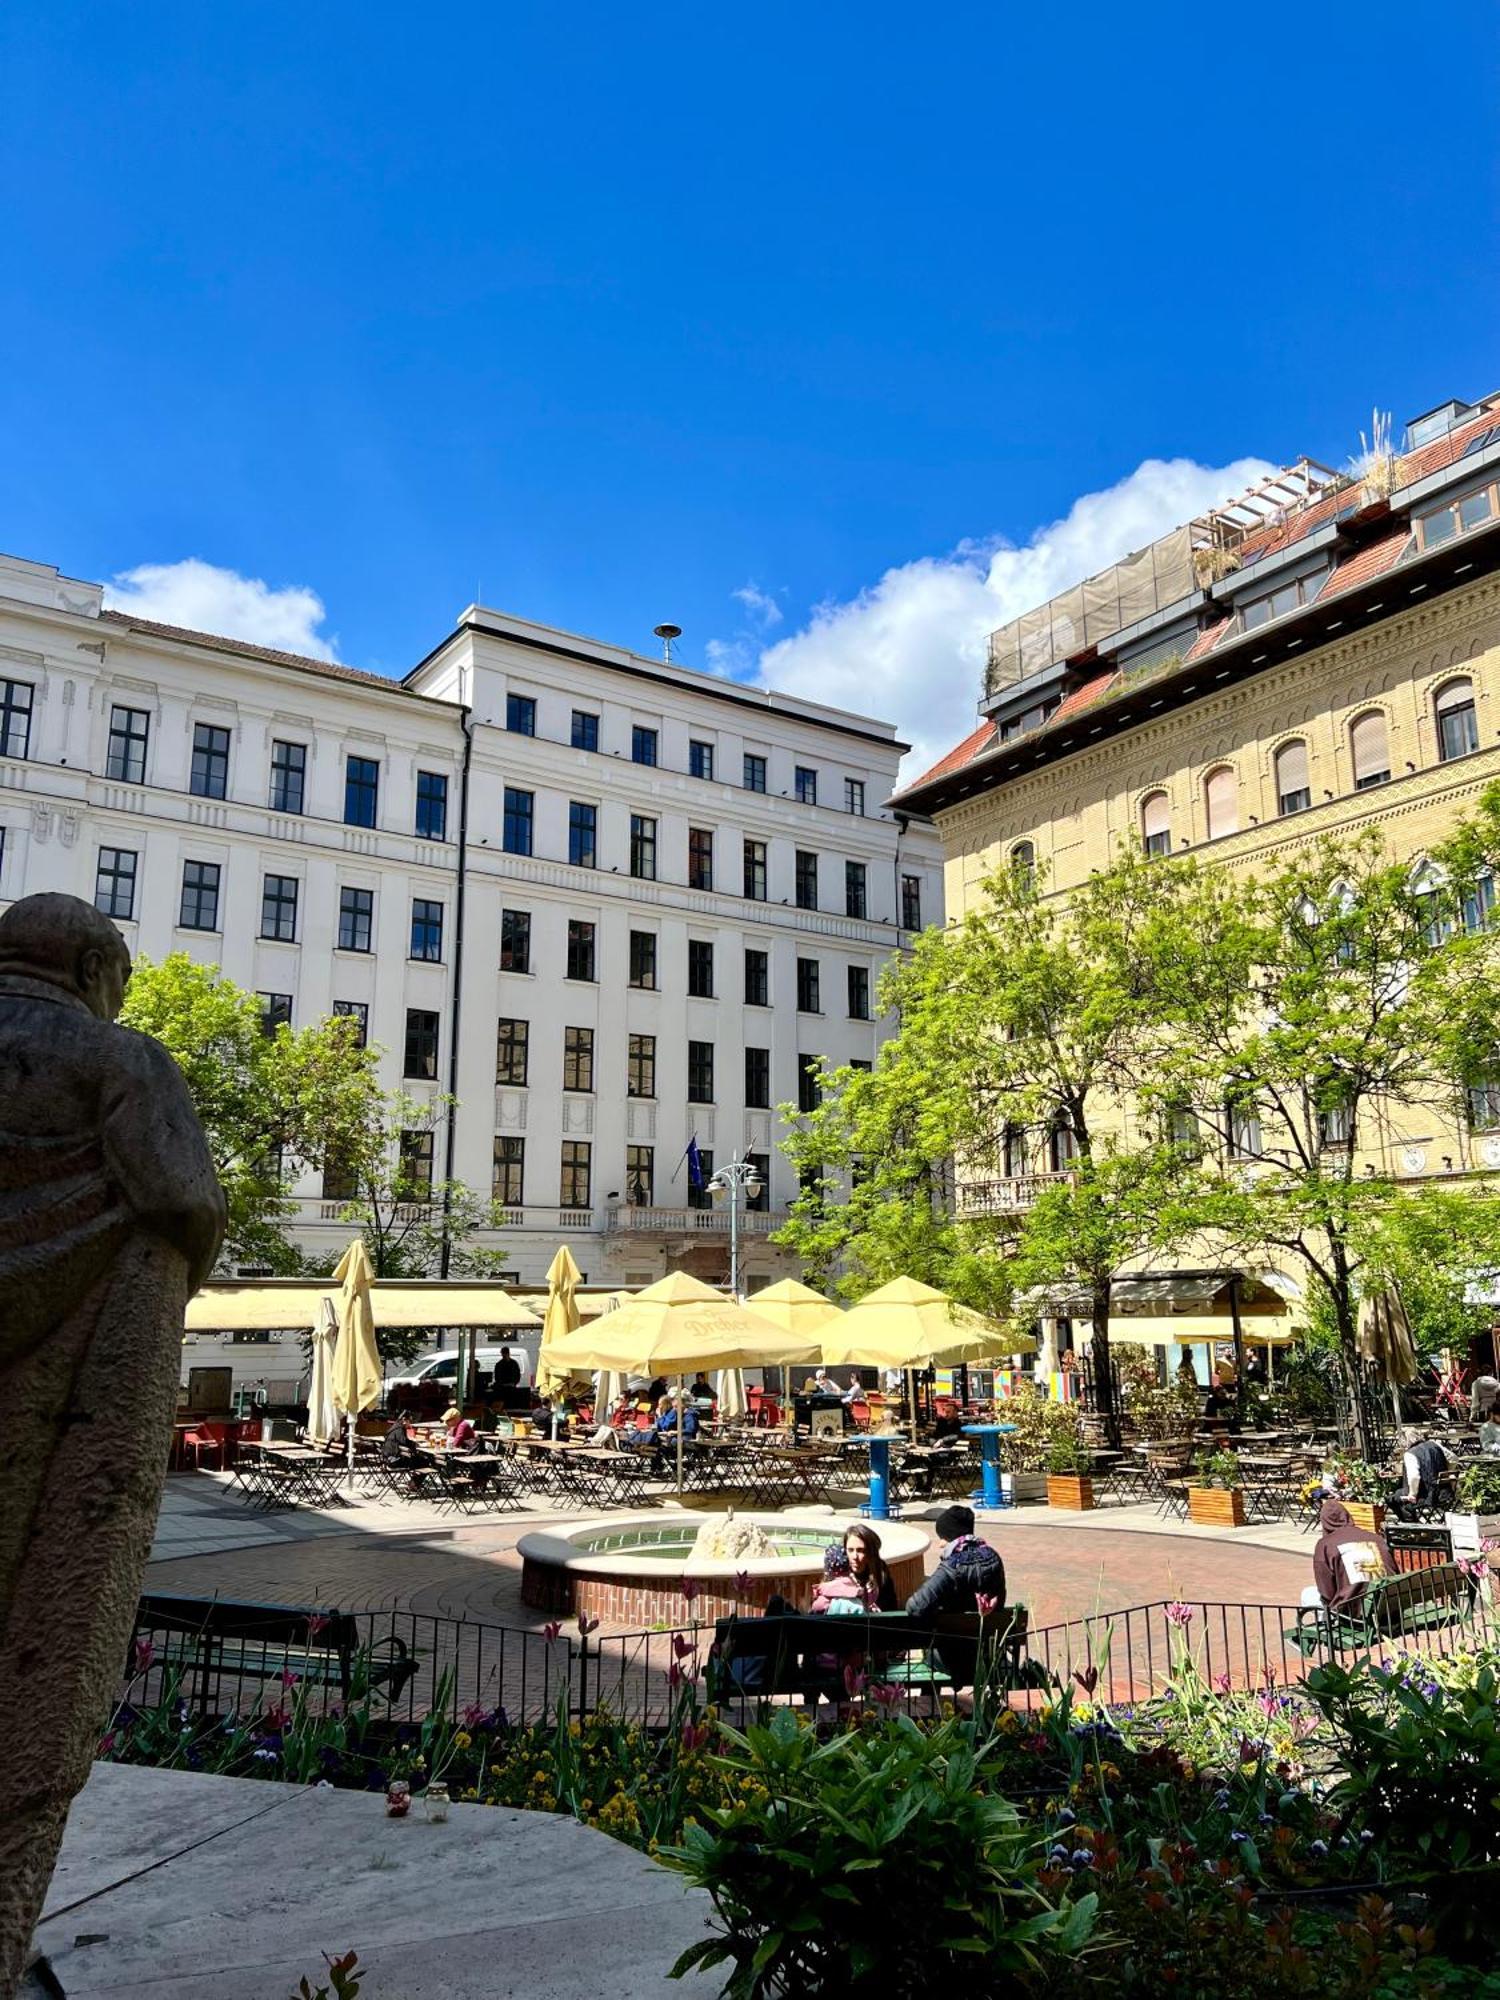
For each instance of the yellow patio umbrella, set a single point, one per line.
(561, 1317)
(356, 1358)
(794, 1307)
(675, 1327)
(909, 1325)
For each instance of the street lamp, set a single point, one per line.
(735, 1178)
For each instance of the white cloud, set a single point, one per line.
(206, 598)
(759, 604)
(911, 648)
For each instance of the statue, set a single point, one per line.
(110, 1219)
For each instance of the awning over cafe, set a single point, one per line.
(238, 1305)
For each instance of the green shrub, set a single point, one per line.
(1479, 1487)
(1218, 1468)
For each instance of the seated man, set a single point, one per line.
(1489, 1435)
(968, 1570)
(1424, 1466)
(399, 1447)
(1346, 1560)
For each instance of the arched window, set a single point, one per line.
(1457, 724)
(1293, 785)
(1023, 864)
(1221, 799)
(1062, 1144)
(1156, 823)
(1370, 750)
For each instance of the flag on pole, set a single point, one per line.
(694, 1163)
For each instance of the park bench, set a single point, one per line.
(212, 1640)
(762, 1658)
(1403, 1606)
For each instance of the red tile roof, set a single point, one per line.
(963, 753)
(217, 643)
(1373, 560)
(1083, 696)
(1207, 639)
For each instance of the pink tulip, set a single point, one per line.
(1180, 1615)
(586, 1625)
(551, 1629)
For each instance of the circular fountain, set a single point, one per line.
(631, 1570)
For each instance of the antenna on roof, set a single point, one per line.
(667, 633)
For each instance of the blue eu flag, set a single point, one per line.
(695, 1163)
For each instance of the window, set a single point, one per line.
(755, 773)
(757, 979)
(516, 835)
(208, 777)
(361, 791)
(911, 902)
(807, 986)
(1062, 1145)
(1369, 750)
(1293, 786)
(358, 1012)
(1023, 867)
(1014, 1143)
(700, 759)
(1182, 1129)
(854, 797)
(642, 745)
(642, 848)
(700, 1073)
(512, 1051)
(585, 730)
(426, 929)
(1335, 1124)
(700, 969)
(416, 1159)
(640, 1176)
(580, 949)
(1156, 823)
(420, 1055)
(509, 1184)
(856, 898)
(760, 1201)
(15, 718)
(755, 870)
(859, 993)
(129, 729)
(114, 883)
(758, 1079)
(573, 1189)
(578, 1058)
(1455, 518)
(640, 1066)
(806, 782)
(807, 880)
(515, 940)
(1457, 724)
(275, 1012)
(1479, 904)
(583, 834)
(809, 1088)
(1284, 598)
(200, 896)
(520, 714)
(700, 858)
(356, 918)
(432, 805)
(643, 960)
(1484, 1105)
(340, 1183)
(1221, 802)
(1243, 1120)
(700, 1194)
(288, 777)
(278, 908)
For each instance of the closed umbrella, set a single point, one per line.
(1384, 1338)
(322, 1415)
(356, 1358)
(609, 1383)
(560, 1318)
(731, 1389)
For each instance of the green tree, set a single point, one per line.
(1311, 1007)
(1022, 1030)
(404, 1209)
(271, 1105)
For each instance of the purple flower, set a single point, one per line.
(1180, 1615)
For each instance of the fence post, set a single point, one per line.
(583, 1677)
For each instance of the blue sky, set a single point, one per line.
(615, 313)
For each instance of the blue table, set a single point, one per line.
(990, 1493)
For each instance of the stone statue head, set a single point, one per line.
(67, 943)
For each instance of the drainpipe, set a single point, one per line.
(455, 1010)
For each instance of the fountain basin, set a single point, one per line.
(630, 1571)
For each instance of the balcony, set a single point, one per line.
(976, 1200)
(628, 1219)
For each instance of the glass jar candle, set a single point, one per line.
(435, 1799)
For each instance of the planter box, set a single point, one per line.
(1074, 1491)
(1471, 1531)
(1217, 1506)
(1019, 1486)
(1367, 1514)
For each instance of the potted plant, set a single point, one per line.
(1216, 1497)
(1068, 1482)
(1476, 1516)
(1033, 1418)
(1364, 1490)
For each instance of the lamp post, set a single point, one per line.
(734, 1179)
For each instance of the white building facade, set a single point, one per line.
(609, 905)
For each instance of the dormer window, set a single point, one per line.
(1284, 598)
(1456, 517)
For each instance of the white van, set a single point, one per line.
(442, 1366)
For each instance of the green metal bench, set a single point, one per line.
(1402, 1606)
(212, 1640)
(762, 1658)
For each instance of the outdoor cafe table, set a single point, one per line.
(989, 1494)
